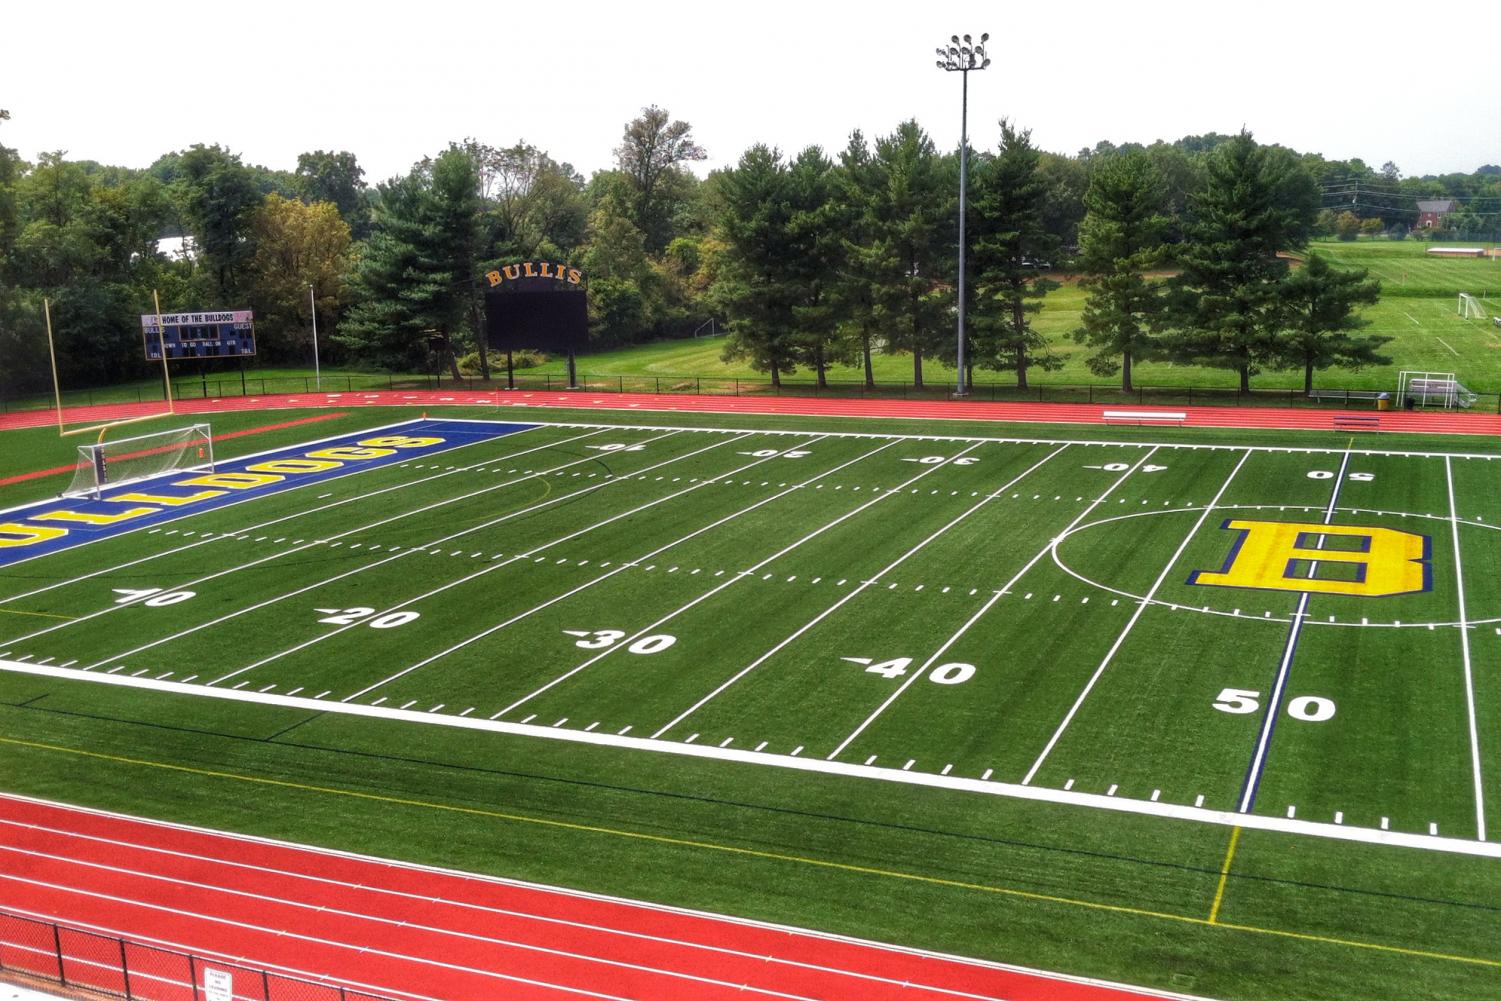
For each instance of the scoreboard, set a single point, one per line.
(225, 334)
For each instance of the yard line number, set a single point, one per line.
(943, 674)
(351, 616)
(600, 639)
(1309, 708)
(1325, 474)
(154, 597)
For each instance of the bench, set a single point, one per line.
(1144, 417)
(1345, 395)
(1357, 422)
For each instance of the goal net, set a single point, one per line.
(130, 460)
(1425, 389)
(1469, 307)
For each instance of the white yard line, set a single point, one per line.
(230, 532)
(388, 559)
(1284, 666)
(602, 577)
(1142, 606)
(730, 582)
(1414, 319)
(873, 579)
(1447, 345)
(1464, 640)
(327, 539)
(1051, 546)
(496, 566)
(1118, 804)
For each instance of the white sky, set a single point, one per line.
(125, 82)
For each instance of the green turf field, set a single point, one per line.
(935, 684)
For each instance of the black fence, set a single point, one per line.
(239, 384)
(118, 967)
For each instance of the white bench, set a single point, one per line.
(1144, 417)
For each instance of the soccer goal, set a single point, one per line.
(1428, 389)
(130, 460)
(1469, 307)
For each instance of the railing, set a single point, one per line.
(86, 960)
(235, 384)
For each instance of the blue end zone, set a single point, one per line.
(51, 526)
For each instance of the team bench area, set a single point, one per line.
(1144, 417)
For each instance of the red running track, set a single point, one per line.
(1445, 422)
(413, 932)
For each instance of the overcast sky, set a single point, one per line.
(123, 83)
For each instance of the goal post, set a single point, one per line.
(1425, 389)
(130, 460)
(1469, 307)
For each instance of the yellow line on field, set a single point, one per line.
(1219, 892)
(755, 853)
(45, 615)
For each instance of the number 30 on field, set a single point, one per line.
(1309, 708)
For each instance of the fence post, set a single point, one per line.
(659, 384)
(193, 975)
(57, 947)
(304, 384)
(620, 383)
(737, 387)
(1141, 394)
(698, 386)
(266, 985)
(124, 969)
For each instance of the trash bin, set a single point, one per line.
(1384, 401)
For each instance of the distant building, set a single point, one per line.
(177, 248)
(1431, 214)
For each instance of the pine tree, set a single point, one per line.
(1010, 246)
(1225, 303)
(1319, 321)
(754, 287)
(909, 223)
(1123, 235)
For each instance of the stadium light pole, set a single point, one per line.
(313, 305)
(960, 57)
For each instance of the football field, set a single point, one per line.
(1300, 641)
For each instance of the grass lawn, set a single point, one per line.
(921, 682)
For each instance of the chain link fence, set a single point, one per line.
(118, 967)
(240, 384)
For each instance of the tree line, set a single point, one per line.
(810, 260)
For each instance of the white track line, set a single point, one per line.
(605, 576)
(252, 899)
(874, 578)
(296, 937)
(314, 510)
(730, 582)
(365, 887)
(1050, 547)
(1464, 639)
(1141, 606)
(1284, 667)
(332, 538)
(408, 551)
(583, 895)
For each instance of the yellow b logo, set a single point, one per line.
(1279, 555)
